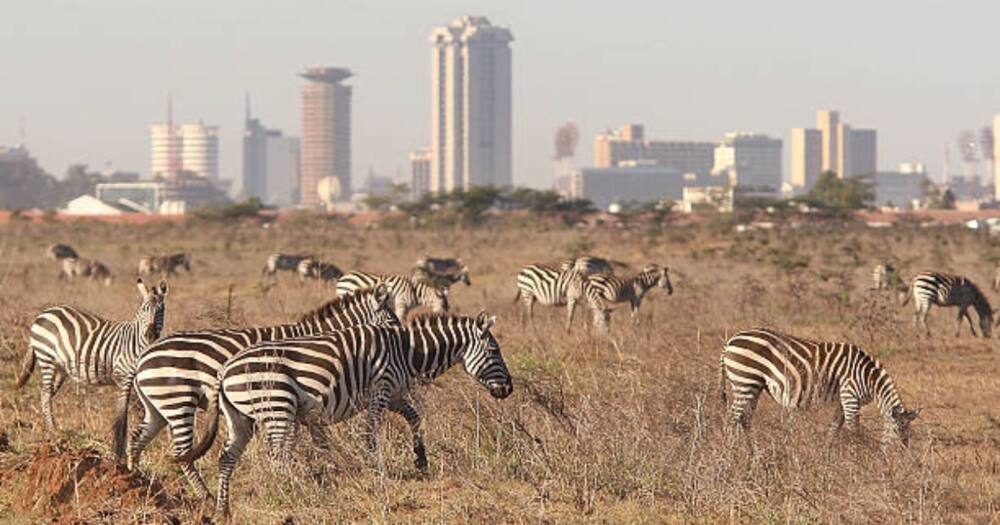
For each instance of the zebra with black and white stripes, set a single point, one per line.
(551, 287)
(180, 371)
(441, 280)
(165, 264)
(603, 290)
(799, 372)
(318, 270)
(942, 289)
(94, 270)
(68, 342)
(407, 292)
(283, 262)
(328, 378)
(589, 265)
(883, 276)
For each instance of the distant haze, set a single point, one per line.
(90, 77)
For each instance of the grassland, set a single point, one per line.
(625, 428)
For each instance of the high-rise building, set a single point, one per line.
(192, 148)
(200, 150)
(843, 150)
(270, 164)
(752, 161)
(326, 135)
(471, 105)
(420, 172)
(996, 157)
(628, 144)
(807, 153)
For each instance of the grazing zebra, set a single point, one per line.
(442, 280)
(328, 378)
(283, 262)
(602, 289)
(167, 264)
(94, 270)
(440, 265)
(68, 342)
(322, 271)
(883, 276)
(180, 371)
(61, 251)
(550, 287)
(797, 372)
(588, 265)
(942, 289)
(407, 292)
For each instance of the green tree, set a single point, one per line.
(835, 193)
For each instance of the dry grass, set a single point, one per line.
(619, 429)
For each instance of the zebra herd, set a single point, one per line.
(360, 353)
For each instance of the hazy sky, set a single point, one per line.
(89, 77)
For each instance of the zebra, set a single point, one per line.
(166, 264)
(328, 378)
(281, 261)
(588, 265)
(179, 372)
(68, 342)
(58, 252)
(882, 276)
(942, 289)
(550, 287)
(78, 267)
(440, 265)
(798, 372)
(602, 289)
(407, 292)
(313, 269)
(441, 280)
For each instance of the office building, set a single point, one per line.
(326, 135)
(902, 189)
(628, 183)
(270, 165)
(420, 172)
(807, 158)
(751, 161)
(471, 105)
(628, 144)
(192, 148)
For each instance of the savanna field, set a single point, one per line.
(619, 428)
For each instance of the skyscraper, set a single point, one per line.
(200, 150)
(751, 160)
(471, 101)
(827, 123)
(270, 164)
(326, 134)
(628, 145)
(420, 172)
(807, 153)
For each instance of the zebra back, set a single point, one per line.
(549, 285)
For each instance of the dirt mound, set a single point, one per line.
(78, 485)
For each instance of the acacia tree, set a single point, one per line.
(835, 193)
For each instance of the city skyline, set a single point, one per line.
(702, 91)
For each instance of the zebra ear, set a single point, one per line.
(381, 293)
(485, 321)
(143, 291)
(163, 287)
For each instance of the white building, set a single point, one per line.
(191, 147)
(471, 105)
(807, 153)
(749, 160)
(625, 184)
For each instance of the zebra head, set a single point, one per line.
(658, 275)
(463, 275)
(380, 303)
(482, 358)
(186, 261)
(900, 424)
(150, 314)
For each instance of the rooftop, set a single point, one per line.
(331, 75)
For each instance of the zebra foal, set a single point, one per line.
(166, 264)
(178, 373)
(328, 378)
(798, 372)
(941, 289)
(68, 342)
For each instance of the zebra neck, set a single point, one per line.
(432, 351)
(885, 395)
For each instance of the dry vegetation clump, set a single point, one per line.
(623, 428)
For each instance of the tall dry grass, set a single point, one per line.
(625, 428)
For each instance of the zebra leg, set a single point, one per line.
(240, 431)
(380, 400)
(958, 325)
(850, 406)
(405, 409)
(120, 426)
(529, 305)
(838, 422)
(151, 425)
(972, 327)
(317, 431)
(570, 310)
(182, 436)
(51, 381)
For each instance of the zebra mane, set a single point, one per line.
(431, 319)
(333, 305)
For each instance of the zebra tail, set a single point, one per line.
(722, 378)
(205, 442)
(517, 296)
(27, 367)
(906, 295)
